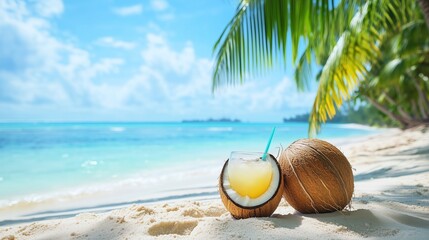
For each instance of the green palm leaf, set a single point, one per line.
(257, 36)
(346, 38)
(357, 48)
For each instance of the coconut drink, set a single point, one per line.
(250, 184)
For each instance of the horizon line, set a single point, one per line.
(137, 121)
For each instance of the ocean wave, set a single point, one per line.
(52, 213)
(89, 163)
(219, 129)
(117, 129)
(161, 185)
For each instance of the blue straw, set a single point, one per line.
(264, 156)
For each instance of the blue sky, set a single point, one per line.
(127, 61)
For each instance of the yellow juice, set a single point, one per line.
(250, 178)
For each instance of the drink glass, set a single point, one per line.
(248, 174)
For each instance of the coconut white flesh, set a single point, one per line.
(246, 201)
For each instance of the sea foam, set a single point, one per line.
(219, 129)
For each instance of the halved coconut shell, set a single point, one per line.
(317, 177)
(265, 209)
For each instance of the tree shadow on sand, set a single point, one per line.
(413, 195)
(415, 151)
(371, 223)
(390, 172)
(362, 222)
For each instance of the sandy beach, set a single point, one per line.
(391, 201)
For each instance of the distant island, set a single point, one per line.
(338, 118)
(297, 118)
(211, 120)
(366, 115)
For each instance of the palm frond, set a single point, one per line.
(345, 37)
(356, 50)
(303, 71)
(257, 36)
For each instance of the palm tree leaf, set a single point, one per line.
(303, 71)
(346, 37)
(260, 29)
(357, 48)
(339, 77)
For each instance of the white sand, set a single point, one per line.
(391, 201)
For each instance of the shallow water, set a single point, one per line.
(46, 158)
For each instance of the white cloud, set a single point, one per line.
(191, 95)
(25, 41)
(260, 98)
(15, 9)
(159, 5)
(111, 42)
(158, 53)
(43, 72)
(48, 8)
(129, 10)
(36, 67)
(104, 66)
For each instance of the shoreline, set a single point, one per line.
(391, 172)
(112, 195)
(66, 213)
(138, 187)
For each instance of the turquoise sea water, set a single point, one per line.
(39, 158)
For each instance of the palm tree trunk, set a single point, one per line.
(405, 116)
(424, 5)
(414, 110)
(422, 109)
(422, 101)
(386, 111)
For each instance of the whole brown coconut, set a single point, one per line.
(317, 177)
(265, 209)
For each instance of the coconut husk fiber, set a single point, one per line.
(317, 177)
